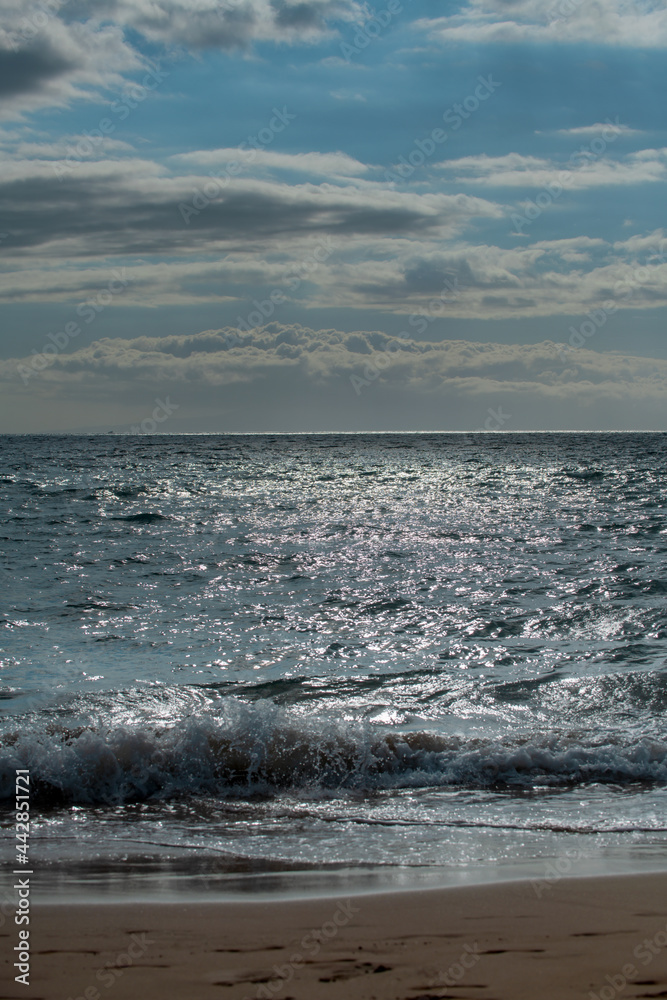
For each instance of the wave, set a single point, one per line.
(146, 517)
(584, 475)
(258, 749)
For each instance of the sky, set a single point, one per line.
(324, 215)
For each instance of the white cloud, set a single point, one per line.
(547, 278)
(348, 95)
(219, 379)
(55, 54)
(167, 214)
(583, 170)
(324, 164)
(187, 239)
(383, 249)
(642, 246)
(597, 129)
(620, 23)
(202, 24)
(54, 64)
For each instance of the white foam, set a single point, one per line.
(258, 748)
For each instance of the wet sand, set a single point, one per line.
(603, 937)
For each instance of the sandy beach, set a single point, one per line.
(601, 937)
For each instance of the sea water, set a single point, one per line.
(240, 662)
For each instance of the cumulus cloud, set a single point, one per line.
(625, 23)
(275, 376)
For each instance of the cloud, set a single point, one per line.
(204, 24)
(187, 237)
(351, 244)
(348, 95)
(53, 54)
(617, 23)
(48, 63)
(597, 129)
(323, 164)
(583, 170)
(278, 372)
(164, 213)
(548, 278)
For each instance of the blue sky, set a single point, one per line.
(326, 215)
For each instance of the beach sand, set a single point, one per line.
(506, 941)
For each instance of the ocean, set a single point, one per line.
(296, 663)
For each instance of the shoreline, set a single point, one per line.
(101, 886)
(603, 935)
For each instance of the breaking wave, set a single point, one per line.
(258, 749)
